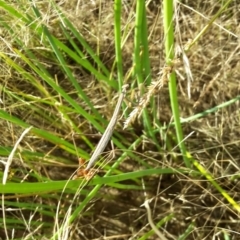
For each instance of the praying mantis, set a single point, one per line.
(88, 172)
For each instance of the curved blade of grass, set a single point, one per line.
(35, 104)
(55, 44)
(82, 41)
(43, 134)
(63, 63)
(33, 206)
(82, 62)
(27, 75)
(28, 156)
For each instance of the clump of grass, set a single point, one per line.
(63, 68)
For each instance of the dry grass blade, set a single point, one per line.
(5, 175)
(10, 158)
(150, 220)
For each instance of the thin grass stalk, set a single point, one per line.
(205, 113)
(210, 178)
(84, 44)
(137, 44)
(168, 11)
(145, 54)
(117, 35)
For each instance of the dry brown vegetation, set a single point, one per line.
(213, 140)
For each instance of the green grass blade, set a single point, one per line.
(165, 220)
(43, 134)
(210, 178)
(83, 43)
(141, 66)
(169, 48)
(54, 186)
(117, 31)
